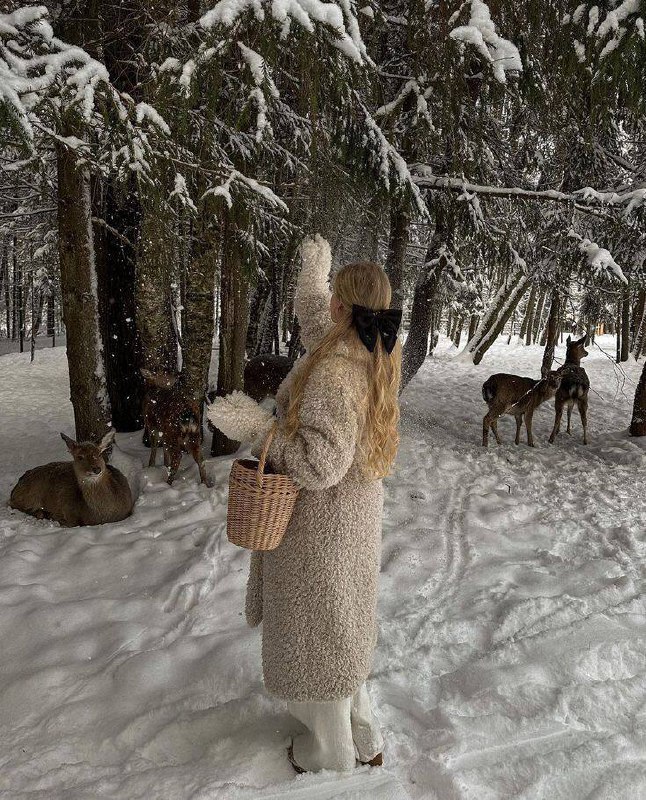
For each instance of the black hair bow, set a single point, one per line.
(370, 324)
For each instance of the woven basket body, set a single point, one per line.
(260, 503)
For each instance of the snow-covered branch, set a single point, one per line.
(582, 198)
(480, 32)
(338, 18)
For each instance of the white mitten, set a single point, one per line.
(239, 417)
(317, 260)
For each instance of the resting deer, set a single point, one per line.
(519, 397)
(86, 491)
(172, 420)
(574, 388)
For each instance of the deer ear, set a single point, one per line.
(107, 440)
(71, 444)
(582, 339)
(568, 340)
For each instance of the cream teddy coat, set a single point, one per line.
(316, 594)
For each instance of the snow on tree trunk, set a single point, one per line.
(528, 319)
(500, 310)
(638, 422)
(79, 295)
(551, 334)
(625, 325)
(538, 317)
(639, 325)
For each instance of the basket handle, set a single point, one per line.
(263, 454)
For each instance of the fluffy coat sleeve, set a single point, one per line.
(312, 298)
(321, 452)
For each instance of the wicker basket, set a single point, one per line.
(260, 503)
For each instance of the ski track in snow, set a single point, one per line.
(512, 653)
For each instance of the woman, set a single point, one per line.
(337, 437)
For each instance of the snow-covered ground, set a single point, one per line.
(512, 654)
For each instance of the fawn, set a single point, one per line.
(574, 388)
(172, 419)
(263, 375)
(519, 397)
(86, 491)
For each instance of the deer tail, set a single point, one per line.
(189, 423)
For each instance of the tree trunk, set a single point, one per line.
(457, 333)
(79, 286)
(4, 277)
(528, 320)
(234, 305)
(618, 331)
(7, 290)
(425, 295)
(638, 421)
(625, 326)
(116, 268)
(14, 293)
(153, 296)
(494, 321)
(20, 294)
(551, 335)
(639, 323)
(257, 307)
(538, 316)
(473, 325)
(51, 310)
(416, 346)
(396, 256)
(197, 338)
(37, 313)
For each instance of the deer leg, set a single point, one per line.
(583, 413)
(528, 425)
(519, 422)
(175, 461)
(558, 407)
(569, 418)
(490, 421)
(196, 451)
(494, 428)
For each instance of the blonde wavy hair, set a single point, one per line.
(364, 284)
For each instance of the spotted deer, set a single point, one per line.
(172, 420)
(518, 397)
(85, 491)
(574, 388)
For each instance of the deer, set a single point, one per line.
(172, 420)
(263, 375)
(85, 491)
(518, 397)
(574, 388)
